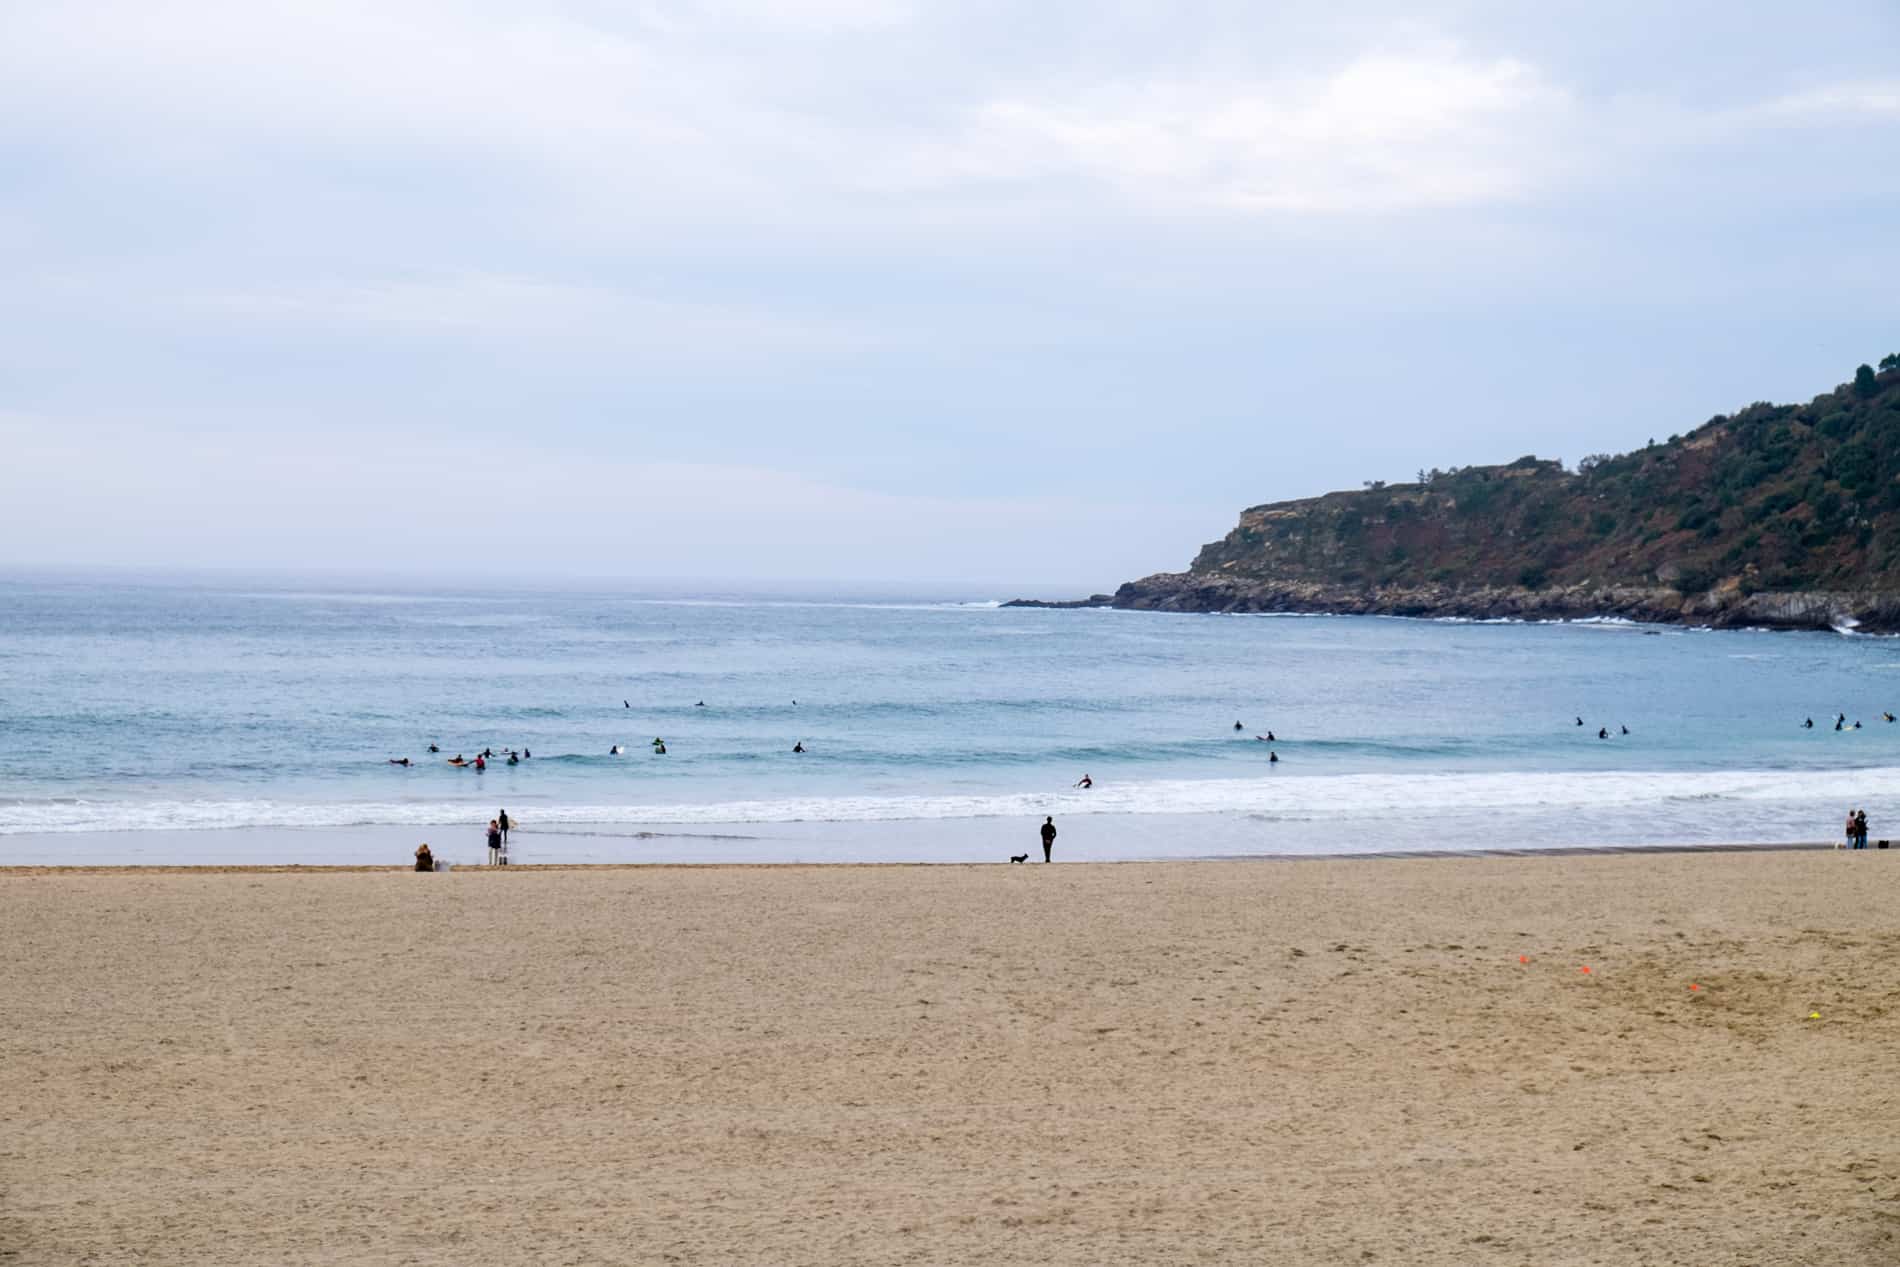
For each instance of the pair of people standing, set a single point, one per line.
(498, 840)
(1856, 829)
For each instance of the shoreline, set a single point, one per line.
(1553, 851)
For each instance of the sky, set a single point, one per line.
(1012, 296)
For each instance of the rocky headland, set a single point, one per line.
(1779, 516)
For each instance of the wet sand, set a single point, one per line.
(1339, 1061)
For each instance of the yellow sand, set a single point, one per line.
(1316, 1062)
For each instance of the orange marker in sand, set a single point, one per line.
(1694, 986)
(1586, 969)
(1523, 958)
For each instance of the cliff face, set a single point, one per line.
(1781, 515)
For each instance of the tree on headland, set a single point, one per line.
(1891, 361)
(1865, 385)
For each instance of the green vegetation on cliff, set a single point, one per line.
(1773, 498)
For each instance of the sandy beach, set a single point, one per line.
(1344, 1061)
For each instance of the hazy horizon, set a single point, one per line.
(861, 290)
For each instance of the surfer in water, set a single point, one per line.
(1273, 758)
(659, 750)
(1085, 782)
(1238, 726)
(1808, 724)
(481, 763)
(1579, 721)
(1626, 730)
(399, 761)
(433, 748)
(614, 751)
(799, 746)
(1603, 732)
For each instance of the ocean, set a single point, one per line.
(223, 723)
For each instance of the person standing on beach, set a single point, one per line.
(1048, 837)
(494, 843)
(502, 823)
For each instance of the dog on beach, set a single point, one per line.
(1019, 857)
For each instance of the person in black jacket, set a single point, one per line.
(1048, 837)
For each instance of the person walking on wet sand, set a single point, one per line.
(503, 823)
(494, 843)
(1048, 837)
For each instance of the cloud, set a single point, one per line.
(1869, 98)
(1383, 132)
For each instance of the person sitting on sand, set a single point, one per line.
(425, 861)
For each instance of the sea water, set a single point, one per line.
(173, 722)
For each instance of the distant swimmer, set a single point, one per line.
(1603, 732)
(624, 704)
(659, 750)
(614, 751)
(701, 704)
(1085, 782)
(1856, 725)
(1273, 758)
(1808, 724)
(799, 746)
(399, 761)
(513, 759)
(457, 760)
(525, 754)
(1838, 721)
(433, 748)
(1579, 721)
(1626, 730)
(1238, 726)
(1886, 717)
(481, 763)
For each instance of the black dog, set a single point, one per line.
(1019, 857)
